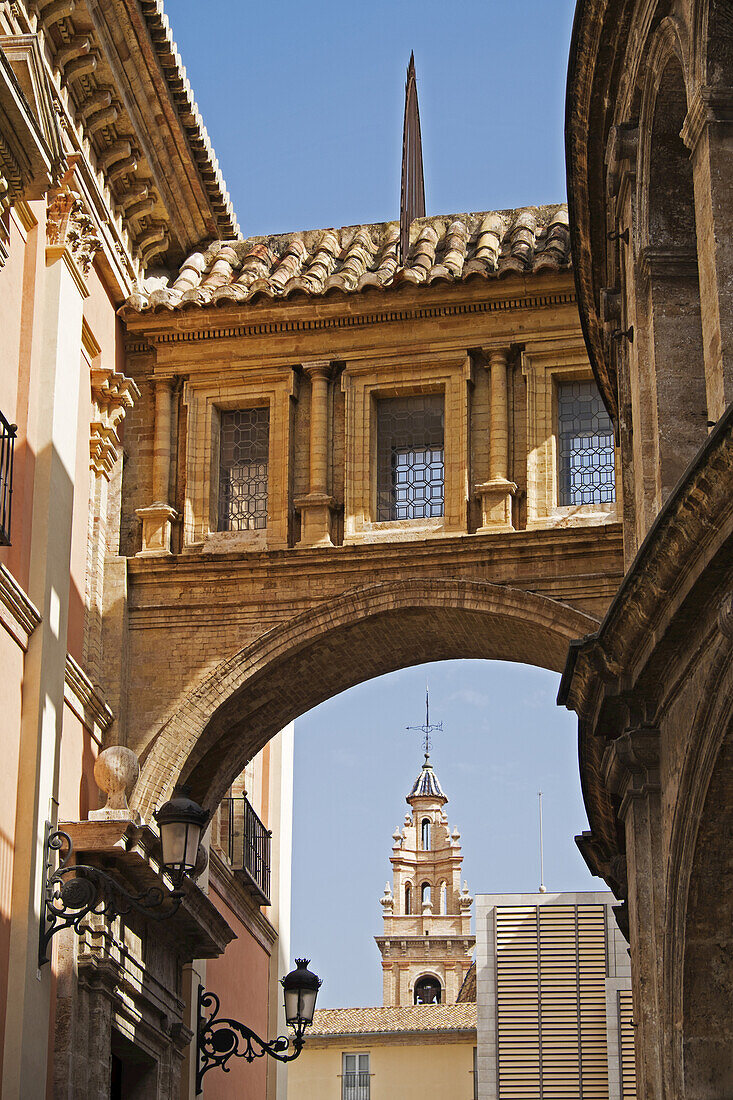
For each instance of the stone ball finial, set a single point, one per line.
(116, 772)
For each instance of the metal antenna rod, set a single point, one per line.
(542, 850)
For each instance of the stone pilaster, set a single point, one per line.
(315, 508)
(54, 407)
(157, 518)
(631, 768)
(496, 493)
(706, 133)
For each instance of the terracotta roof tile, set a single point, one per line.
(376, 1021)
(357, 258)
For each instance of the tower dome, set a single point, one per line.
(427, 784)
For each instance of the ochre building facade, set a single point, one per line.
(306, 351)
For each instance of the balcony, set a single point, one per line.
(356, 1086)
(248, 846)
(7, 448)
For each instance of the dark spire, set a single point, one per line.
(412, 199)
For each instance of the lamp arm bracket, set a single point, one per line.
(218, 1040)
(75, 890)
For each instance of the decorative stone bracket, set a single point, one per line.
(631, 765)
(69, 226)
(113, 394)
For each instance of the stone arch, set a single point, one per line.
(668, 296)
(428, 979)
(699, 892)
(343, 641)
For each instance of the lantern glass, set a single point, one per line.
(292, 1006)
(301, 989)
(181, 822)
(307, 1004)
(180, 843)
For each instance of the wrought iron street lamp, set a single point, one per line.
(181, 821)
(73, 890)
(218, 1040)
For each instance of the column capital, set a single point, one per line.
(495, 356)
(318, 368)
(631, 765)
(710, 103)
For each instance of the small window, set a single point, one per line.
(426, 834)
(243, 460)
(585, 446)
(425, 893)
(408, 900)
(443, 898)
(428, 991)
(410, 457)
(355, 1077)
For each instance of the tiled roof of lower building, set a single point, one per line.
(363, 257)
(408, 1018)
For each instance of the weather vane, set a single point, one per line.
(429, 728)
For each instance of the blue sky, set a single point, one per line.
(504, 739)
(304, 103)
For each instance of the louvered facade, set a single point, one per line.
(626, 1039)
(553, 1000)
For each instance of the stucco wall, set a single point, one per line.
(399, 1071)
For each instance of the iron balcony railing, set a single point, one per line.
(355, 1086)
(7, 448)
(248, 843)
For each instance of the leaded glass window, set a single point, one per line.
(410, 457)
(355, 1077)
(243, 458)
(586, 456)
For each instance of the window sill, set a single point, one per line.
(218, 542)
(406, 530)
(577, 515)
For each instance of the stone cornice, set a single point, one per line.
(86, 700)
(709, 104)
(371, 1037)
(223, 881)
(18, 614)
(188, 328)
(683, 534)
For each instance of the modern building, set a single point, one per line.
(553, 993)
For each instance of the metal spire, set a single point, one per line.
(412, 198)
(428, 728)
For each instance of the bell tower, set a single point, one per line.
(426, 944)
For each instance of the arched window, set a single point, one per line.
(426, 834)
(425, 893)
(443, 898)
(428, 991)
(408, 900)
